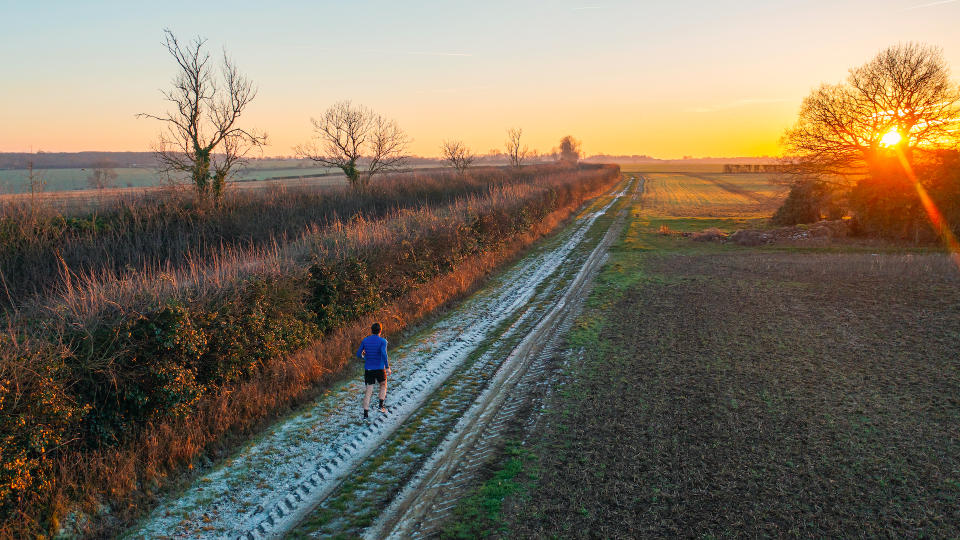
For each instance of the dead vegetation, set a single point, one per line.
(819, 233)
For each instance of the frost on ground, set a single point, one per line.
(269, 485)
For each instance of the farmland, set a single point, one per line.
(713, 195)
(17, 180)
(713, 390)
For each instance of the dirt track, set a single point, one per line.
(322, 471)
(424, 504)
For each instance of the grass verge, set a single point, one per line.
(480, 514)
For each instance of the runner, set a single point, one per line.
(376, 368)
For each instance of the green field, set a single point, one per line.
(15, 180)
(715, 390)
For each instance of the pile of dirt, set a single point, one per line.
(822, 231)
(708, 235)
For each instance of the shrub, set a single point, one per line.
(264, 318)
(37, 418)
(888, 206)
(809, 201)
(138, 369)
(341, 291)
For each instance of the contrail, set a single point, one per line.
(931, 4)
(418, 53)
(735, 104)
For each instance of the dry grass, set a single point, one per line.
(83, 298)
(44, 250)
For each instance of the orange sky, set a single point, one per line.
(688, 78)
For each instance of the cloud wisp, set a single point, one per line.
(458, 90)
(400, 53)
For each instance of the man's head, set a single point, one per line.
(375, 328)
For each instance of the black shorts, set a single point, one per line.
(372, 376)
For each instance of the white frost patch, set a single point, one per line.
(273, 482)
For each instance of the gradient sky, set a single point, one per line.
(664, 78)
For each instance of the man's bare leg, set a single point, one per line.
(367, 393)
(383, 395)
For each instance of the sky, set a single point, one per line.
(667, 79)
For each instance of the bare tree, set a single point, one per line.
(570, 149)
(457, 155)
(36, 184)
(201, 136)
(36, 180)
(347, 136)
(515, 151)
(102, 176)
(903, 97)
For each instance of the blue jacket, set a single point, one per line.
(373, 349)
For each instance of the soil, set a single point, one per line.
(757, 393)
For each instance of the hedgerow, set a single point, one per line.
(98, 405)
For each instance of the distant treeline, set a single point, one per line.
(148, 160)
(686, 160)
(76, 160)
(84, 160)
(755, 168)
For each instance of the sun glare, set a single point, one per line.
(891, 138)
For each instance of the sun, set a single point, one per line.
(891, 138)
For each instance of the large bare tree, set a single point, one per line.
(358, 141)
(904, 97)
(202, 138)
(516, 151)
(457, 155)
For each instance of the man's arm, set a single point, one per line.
(360, 351)
(383, 351)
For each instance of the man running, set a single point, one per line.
(376, 368)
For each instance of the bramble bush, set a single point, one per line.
(161, 363)
(38, 417)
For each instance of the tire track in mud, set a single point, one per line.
(273, 483)
(427, 501)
